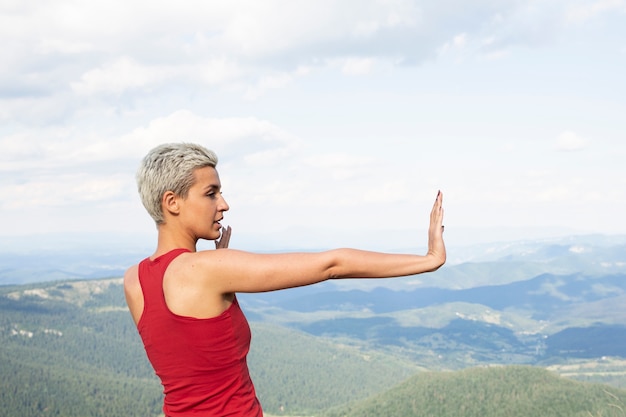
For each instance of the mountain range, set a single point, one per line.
(554, 305)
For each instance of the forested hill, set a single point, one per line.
(511, 391)
(70, 349)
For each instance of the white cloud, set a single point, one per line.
(214, 71)
(231, 138)
(257, 28)
(62, 149)
(340, 166)
(126, 74)
(570, 141)
(63, 190)
(49, 166)
(583, 11)
(63, 46)
(137, 44)
(357, 66)
(458, 42)
(27, 148)
(268, 82)
(118, 76)
(578, 249)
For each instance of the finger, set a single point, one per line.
(225, 240)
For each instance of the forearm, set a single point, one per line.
(352, 263)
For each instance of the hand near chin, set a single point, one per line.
(222, 242)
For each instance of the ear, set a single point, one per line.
(169, 202)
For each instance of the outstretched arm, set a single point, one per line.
(229, 271)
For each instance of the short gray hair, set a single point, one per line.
(170, 167)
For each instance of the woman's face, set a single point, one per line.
(204, 207)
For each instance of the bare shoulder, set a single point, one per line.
(131, 278)
(132, 292)
(197, 267)
(201, 262)
(192, 285)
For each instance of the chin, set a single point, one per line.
(214, 236)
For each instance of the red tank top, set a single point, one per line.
(201, 362)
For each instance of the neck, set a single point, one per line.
(170, 238)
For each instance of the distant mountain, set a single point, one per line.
(541, 295)
(588, 342)
(43, 258)
(56, 265)
(594, 248)
(517, 322)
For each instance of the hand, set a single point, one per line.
(222, 242)
(436, 247)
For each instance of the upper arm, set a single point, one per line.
(230, 271)
(133, 293)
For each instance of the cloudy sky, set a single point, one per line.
(336, 122)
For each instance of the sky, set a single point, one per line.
(335, 122)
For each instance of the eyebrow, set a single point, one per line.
(212, 187)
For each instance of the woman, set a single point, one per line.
(183, 301)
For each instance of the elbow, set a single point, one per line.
(332, 265)
(438, 260)
(436, 267)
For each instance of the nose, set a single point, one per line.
(223, 204)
